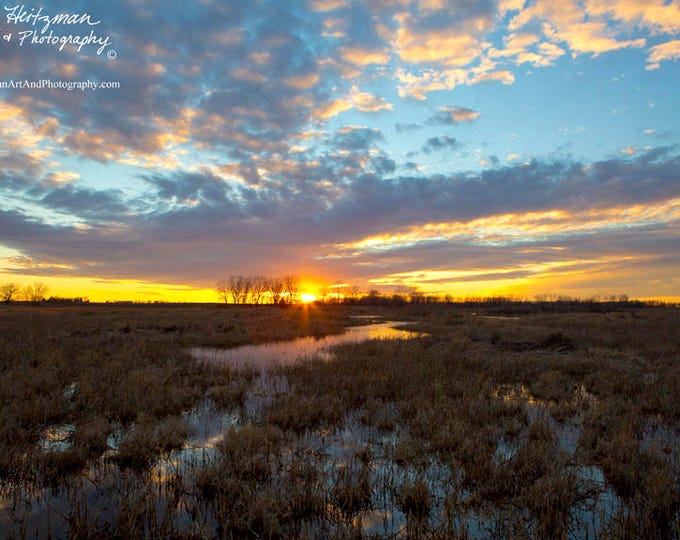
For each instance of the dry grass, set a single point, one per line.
(463, 433)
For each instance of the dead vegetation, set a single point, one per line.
(546, 425)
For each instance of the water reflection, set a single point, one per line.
(283, 353)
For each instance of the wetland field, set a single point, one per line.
(438, 421)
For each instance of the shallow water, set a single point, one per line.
(282, 353)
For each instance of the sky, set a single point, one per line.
(471, 148)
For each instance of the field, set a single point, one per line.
(491, 422)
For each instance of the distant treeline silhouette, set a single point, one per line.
(259, 289)
(495, 304)
(34, 294)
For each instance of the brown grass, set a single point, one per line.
(464, 430)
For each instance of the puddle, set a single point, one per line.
(284, 353)
(57, 438)
(661, 436)
(567, 432)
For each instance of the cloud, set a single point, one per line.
(415, 44)
(657, 15)
(517, 43)
(97, 205)
(62, 177)
(176, 72)
(342, 197)
(525, 228)
(327, 5)
(571, 23)
(669, 50)
(505, 6)
(363, 101)
(454, 115)
(364, 57)
(302, 82)
(526, 48)
(189, 187)
(278, 66)
(592, 37)
(417, 85)
(443, 142)
(367, 102)
(356, 138)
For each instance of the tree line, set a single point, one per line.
(37, 292)
(259, 289)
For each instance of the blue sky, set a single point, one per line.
(472, 148)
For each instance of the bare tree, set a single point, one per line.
(259, 288)
(276, 287)
(235, 284)
(222, 288)
(35, 293)
(8, 290)
(246, 289)
(291, 286)
(352, 292)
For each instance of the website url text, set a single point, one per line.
(49, 84)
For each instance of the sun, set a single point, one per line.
(307, 298)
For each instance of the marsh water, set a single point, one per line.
(283, 353)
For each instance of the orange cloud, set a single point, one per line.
(448, 47)
(302, 82)
(416, 86)
(335, 27)
(158, 149)
(364, 57)
(665, 51)
(520, 41)
(245, 74)
(363, 101)
(8, 111)
(527, 227)
(521, 47)
(569, 22)
(592, 37)
(63, 177)
(261, 58)
(20, 135)
(327, 5)
(658, 15)
(458, 114)
(505, 6)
